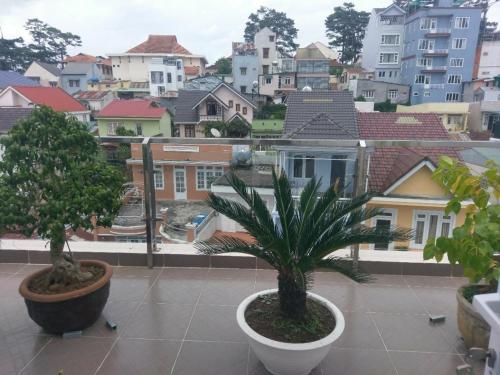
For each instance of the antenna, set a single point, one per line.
(215, 133)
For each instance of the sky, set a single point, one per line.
(203, 27)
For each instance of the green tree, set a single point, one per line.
(224, 66)
(345, 28)
(49, 43)
(234, 129)
(50, 177)
(284, 27)
(14, 55)
(309, 231)
(386, 106)
(271, 111)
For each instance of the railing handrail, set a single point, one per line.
(439, 30)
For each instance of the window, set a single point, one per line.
(368, 94)
(156, 77)
(189, 131)
(265, 53)
(456, 62)
(74, 83)
(429, 225)
(271, 38)
(462, 22)
(243, 89)
(392, 94)
(454, 78)
(303, 167)
(422, 79)
(428, 23)
(269, 80)
(381, 73)
(243, 71)
(112, 126)
(288, 81)
(161, 90)
(138, 128)
(178, 63)
(415, 93)
(454, 120)
(238, 107)
(159, 178)
(485, 53)
(425, 62)
(169, 77)
(205, 176)
(265, 69)
(337, 171)
(427, 93)
(230, 104)
(426, 44)
(388, 58)
(459, 43)
(390, 40)
(244, 110)
(452, 97)
(179, 78)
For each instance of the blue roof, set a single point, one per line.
(8, 78)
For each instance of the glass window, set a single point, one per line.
(303, 166)
(189, 131)
(388, 58)
(309, 166)
(391, 39)
(297, 166)
(206, 175)
(179, 78)
(169, 77)
(392, 94)
(238, 106)
(245, 110)
(456, 62)
(159, 178)
(452, 97)
(138, 129)
(112, 126)
(454, 78)
(230, 104)
(243, 71)
(426, 44)
(156, 77)
(428, 23)
(462, 22)
(265, 53)
(288, 80)
(422, 79)
(459, 43)
(426, 62)
(368, 94)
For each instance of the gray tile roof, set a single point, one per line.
(10, 115)
(8, 78)
(257, 176)
(51, 68)
(321, 114)
(77, 68)
(184, 112)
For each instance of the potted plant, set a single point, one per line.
(51, 180)
(475, 243)
(290, 329)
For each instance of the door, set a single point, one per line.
(430, 225)
(180, 183)
(382, 224)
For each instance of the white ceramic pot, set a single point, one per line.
(281, 358)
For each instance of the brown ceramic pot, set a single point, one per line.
(474, 329)
(70, 311)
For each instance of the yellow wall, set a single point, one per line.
(420, 184)
(442, 110)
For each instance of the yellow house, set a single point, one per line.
(455, 116)
(114, 85)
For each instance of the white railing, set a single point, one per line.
(443, 67)
(435, 51)
(206, 228)
(439, 31)
(210, 117)
(434, 86)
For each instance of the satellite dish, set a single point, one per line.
(215, 133)
(307, 89)
(255, 83)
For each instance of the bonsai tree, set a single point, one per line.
(474, 243)
(51, 178)
(308, 232)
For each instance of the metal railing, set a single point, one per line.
(210, 117)
(438, 31)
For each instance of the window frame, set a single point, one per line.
(452, 94)
(188, 130)
(382, 37)
(459, 20)
(159, 181)
(442, 219)
(370, 92)
(461, 59)
(305, 163)
(463, 45)
(392, 91)
(395, 58)
(454, 77)
(203, 183)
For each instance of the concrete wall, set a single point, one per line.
(444, 111)
(251, 63)
(489, 63)
(150, 127)
(381, 90)
(226, 95)
(44, 76)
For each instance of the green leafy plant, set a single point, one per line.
(51, 177)
(474, 243)
(234, 129)
(309, 231)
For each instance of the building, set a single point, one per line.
(195, 108)
(53, 97)
(8, 78)
(488, 98)
(383, 43)
(439, 51)
(133, 65)
(379, 91)
(143, 117)
(313, 67)
(401, 178)
(103, 63)
(76, 76)
(44, 73)
(489, 64)
(10, 115)
(94, 100)
(455, 117)
(267, 51)
(352, 73)
(246, 67)
(166, 76)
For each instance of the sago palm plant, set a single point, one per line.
(307, 234)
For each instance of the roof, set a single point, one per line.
(202, 83)
(395, 125)
(135, 108)
(77, 68)
(53, 97)
(81, 57)
(9, 78)
(192, 70)
(10, 115)
(257, 176)
(90, 95)
(330, 112)
(311, 52)
(325, 50)
(184, 112)
(160, 44)
(51, 68)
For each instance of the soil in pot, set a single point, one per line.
(41, 284)
(469, 291)
(264, 317)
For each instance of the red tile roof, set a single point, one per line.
(160, 44)
(53, 97)
(192, 70)
(132, 108)
(90, 95)
(81, 57)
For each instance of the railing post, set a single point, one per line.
(359, 189)
(149, 199)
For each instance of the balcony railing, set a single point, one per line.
(434, 86)
(434, 69)
(441, 32)
(435, 52)
(210, 118)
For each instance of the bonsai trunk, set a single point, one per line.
(292, 296)
(65, 269)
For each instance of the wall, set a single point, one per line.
(225, 95)
(82, 78)
(251, 62)
(150, 127)
(381, 90)
(489, 63)
(10, 98)
(45, 77)
(442, 110)
(420, 184)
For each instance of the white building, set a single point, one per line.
(489, 63)
(166, 76)
(44, 73)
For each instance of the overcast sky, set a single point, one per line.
(203, 27)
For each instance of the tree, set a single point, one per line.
(50, 177)
(235, 129)
(49, 43)
(345, 28)
(223, 66)
(284, 27)
(386, 106)
(271, 111)
(14, 55)
(309, 231)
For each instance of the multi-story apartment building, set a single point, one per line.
(166, 76)
(489, 60)
(265, 43)
(439, 49)
(313, 67)
(383, 43)
(246, 66)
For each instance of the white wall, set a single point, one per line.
(35, 70)
(489, 63)
(226, 95)
(9, 98)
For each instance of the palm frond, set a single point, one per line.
(345, 267)
(286, 210)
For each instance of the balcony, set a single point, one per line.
(438, 33)
(207, 118)
(435, 53)
(434, 86)
(434, 69)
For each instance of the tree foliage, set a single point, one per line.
(386, 106)
(284, 27)
(271, 111)
(223, 66)
(475, 242)
(235, 129)
(345, 28)
(14, 55)
(303, 237)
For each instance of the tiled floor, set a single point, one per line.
(181, 321)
